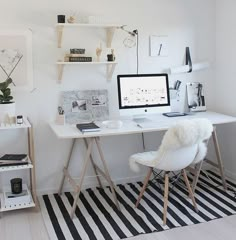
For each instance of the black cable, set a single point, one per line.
(137, 48)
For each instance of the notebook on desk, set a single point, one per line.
(88, 127)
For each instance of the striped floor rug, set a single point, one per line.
(98, 218)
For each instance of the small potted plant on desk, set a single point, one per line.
(7, 105)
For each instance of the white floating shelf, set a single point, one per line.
(110, 67)
(110, 30)
(97, 25)
(17, 167)
(6, 126)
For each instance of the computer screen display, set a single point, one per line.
(145, 92)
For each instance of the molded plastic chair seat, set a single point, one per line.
(182, 145)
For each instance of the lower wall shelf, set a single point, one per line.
(20, 202)
(110, 67)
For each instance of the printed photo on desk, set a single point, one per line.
(85, 105)
(195, 96)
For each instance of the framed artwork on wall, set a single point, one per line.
(195, 96)
(16, 58)
(159, 46)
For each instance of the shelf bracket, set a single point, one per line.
(59, 35)
(110, 34)
(110, 70)
(60, 72)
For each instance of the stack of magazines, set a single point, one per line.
(13, 160)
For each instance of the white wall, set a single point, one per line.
(186, 22)
(225, 78)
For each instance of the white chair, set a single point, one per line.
(182, 145)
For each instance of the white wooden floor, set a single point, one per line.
(28, 225)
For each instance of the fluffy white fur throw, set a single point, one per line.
(184, 133)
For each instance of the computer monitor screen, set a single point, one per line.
(143, 94)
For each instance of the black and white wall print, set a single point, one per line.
(195, 95)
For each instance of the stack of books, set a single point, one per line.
(76, 58)
(13, 160)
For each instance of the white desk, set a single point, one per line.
(157, 123)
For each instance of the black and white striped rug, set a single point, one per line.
(98, 218)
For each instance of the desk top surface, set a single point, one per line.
(157, 123)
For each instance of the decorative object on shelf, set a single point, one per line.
(77, 50)
(61, 18)
(71, 19)
(189, 66)
(195, 96)
(16, 185)
(98, 52)
(19, 119)
(158, 46)
(111, 57)
(85, 106)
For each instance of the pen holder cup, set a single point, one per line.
(60, 120)
(173, 93)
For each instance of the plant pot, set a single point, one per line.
(7, 111)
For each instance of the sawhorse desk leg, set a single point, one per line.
(66, 167)
(77, 188)
(219, 164)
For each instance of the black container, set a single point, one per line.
(110, 58)
(61, 18)
(16, 185)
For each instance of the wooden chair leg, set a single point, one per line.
(189, 189)
(166, 192)
(144, 186)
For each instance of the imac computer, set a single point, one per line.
(143, 94)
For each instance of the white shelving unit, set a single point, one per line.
(30, 167)
(110, 30)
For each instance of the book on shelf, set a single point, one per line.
(80, 59)
(88, 127)
(13, 159)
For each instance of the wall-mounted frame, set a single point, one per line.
(159, 46)
(18, 41)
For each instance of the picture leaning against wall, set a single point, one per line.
(16, 58)
(195, 96)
